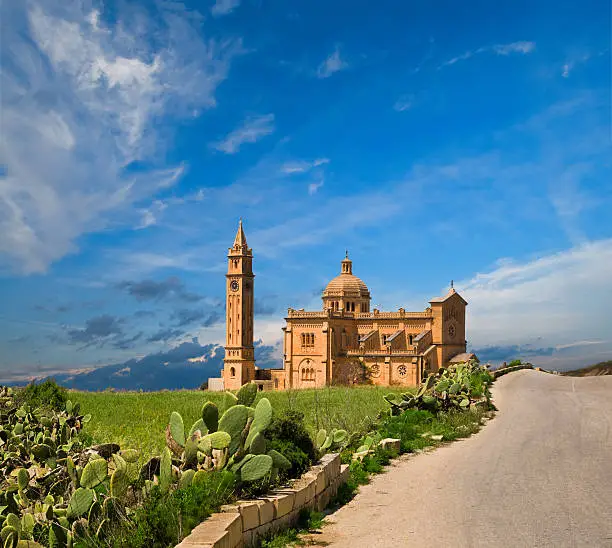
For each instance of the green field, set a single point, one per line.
(138, 420)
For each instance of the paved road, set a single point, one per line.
(539, 474)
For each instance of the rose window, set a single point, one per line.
(375, 370)
(402, 370)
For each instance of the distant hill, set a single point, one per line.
(602, 368)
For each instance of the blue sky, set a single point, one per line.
(436, 141)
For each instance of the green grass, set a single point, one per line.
(138, 420)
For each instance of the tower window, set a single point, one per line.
(308, 339)
(411, 337)
(232, 371)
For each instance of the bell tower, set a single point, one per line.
(239, 362)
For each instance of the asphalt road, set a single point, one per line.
(538, 474)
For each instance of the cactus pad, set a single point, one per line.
(258, 445)
(186, 478)
(94, 473)
(198, 425)
(80, 502)
(261, 420)
(233, 422)
(216, 440)
(256, 468)
(278, 460)
(129, 455)
(321, 437)
(340, 436)
(177, 428)
(165, 469)
(119, 483)
(247, 394)
(210, 416)
(199, 477)
(23, 478)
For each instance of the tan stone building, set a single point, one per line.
(343, 343)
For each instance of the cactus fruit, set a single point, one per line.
(256, 468)
(94, 473)
(233, 422)
(80, 502)
(247, 394)
(210, 416)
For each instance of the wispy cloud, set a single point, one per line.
(315, 186)
(405, 102)
(497, 49)
(302, 166)
(223, 7)
(252, 130)
(577, 60)
(332, 64)
(79, 99)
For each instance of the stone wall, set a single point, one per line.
(244, 523)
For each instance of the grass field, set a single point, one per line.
(138, 420)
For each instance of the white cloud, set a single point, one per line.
(290, 168)
(522, 47)
(514, 47)
(81, 100)
(404, 103)
(561, 299)
(223, 7)
(252, 130)
(314, 187)
(331, 65)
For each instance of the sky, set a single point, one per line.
(434, 140)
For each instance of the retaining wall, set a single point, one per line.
(244, 523)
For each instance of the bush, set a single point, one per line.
(44, 394)
(287, 434)
(514, 362)
(165, 518)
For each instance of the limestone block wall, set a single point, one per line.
(244, 523)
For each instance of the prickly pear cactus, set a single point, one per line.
(247, 394)
(210, 416)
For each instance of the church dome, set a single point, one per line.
(347, 284)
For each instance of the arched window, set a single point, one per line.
(410, 337)
(232, 371)
(275, 383)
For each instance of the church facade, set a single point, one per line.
(345, 342)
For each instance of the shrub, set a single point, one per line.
(514, 362)
(44, 394)
(165, 518)
(287, 434)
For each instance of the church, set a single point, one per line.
(346, 342)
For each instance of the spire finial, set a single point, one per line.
(346, 253)
(240, 239)
(452, 284)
